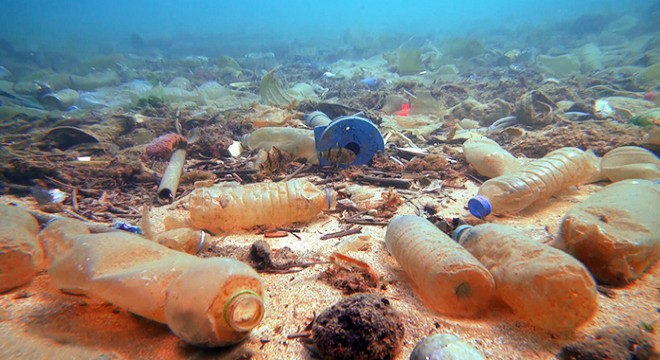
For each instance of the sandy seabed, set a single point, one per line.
(37, 321)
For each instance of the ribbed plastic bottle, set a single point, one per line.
(226, 207)
(20, 252)
(543, 285)
(448, 278)
(299, 142)
(488, 158)
(615, 232)
(630, 162)
(541, 179)
(207, 302)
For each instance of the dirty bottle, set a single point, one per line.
(630, 162)
(229, 207)
(543, 285)
(488, 158)
(207, 302)
(299, 142)
(541, 179)
(184, 239)
(615, 231)
(20, 252)
(449, 279)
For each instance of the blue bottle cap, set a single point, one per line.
(459, 231)
(479, 206)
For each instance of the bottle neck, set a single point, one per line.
(244, 310)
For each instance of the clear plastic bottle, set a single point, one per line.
(630, 162)
(488, 158)
(615, 231)
(299, 142)
(543, 285)
(206, 302)
(541, 179)
(20, 252)
(229, 207)
(448, 277)
(184, 239)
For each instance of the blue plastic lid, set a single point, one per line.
(459, 230)
(479, 206)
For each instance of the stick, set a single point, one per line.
(337, 234)
(170, 181)
(397, 183)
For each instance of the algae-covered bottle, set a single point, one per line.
(206, 302)
(299, 142)
(448, 277)
(543, 285)
(615, 232)
(540, 179)
(488, 158)
(228, 207)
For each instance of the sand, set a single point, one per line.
(37, 321)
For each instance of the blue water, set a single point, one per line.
(89, 25)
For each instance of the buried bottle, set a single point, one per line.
(543, 285)
(614, 232)
(229, 207)
(541, 179)
(448, 277)
(206, 302)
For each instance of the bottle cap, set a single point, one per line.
(479, 206)
(456, 235)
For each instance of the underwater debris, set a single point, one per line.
(162, 147)
(444, 347)
(360, 327)
(613, 342)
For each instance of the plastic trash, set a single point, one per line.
(206, 302)
(228, 207)
(488, 158)
(299, 142)
(541, 179)
(350, 134)
(630, 162)
(20, 252)
(543, 285)
(444, 347)
(184, 239)
(615, 232)
(61, 100)
(448, 277)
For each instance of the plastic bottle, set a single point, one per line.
(615, 232)
(630, 162)
(489, 158)
(206, 302)
(299, 142)
(229, 207)
(543, 285)
(541, 179)
(449, 279)
(184, 239)
(444, 347)
(20, 252)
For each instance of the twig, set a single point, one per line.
(365, 222)
(74, 199)
(88, 192)
(337, 234)
(296, 172)
(229, 172)
(397, 183)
